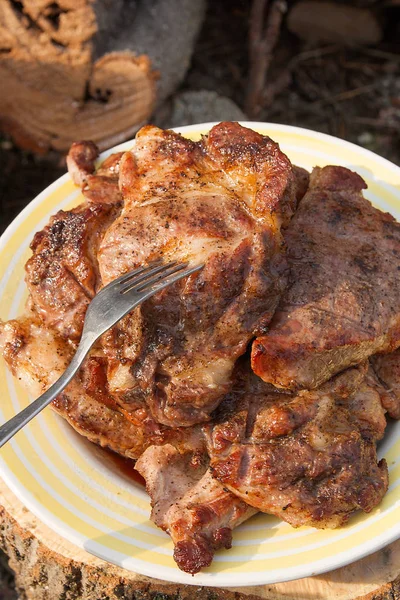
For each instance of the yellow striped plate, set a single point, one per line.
(71, 487)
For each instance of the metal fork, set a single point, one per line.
(112, 303)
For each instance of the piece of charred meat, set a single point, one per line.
(342, 303)
(221, 202)
(308, 458)
(98, 185)
(102, 187)
(190, 504)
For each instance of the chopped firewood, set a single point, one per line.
(88, 70)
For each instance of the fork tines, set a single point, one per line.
(155, 276)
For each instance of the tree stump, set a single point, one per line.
(84, 69)
(47, 567)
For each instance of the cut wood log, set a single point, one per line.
(78, 69)
(47, 567)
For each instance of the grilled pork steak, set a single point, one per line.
(342, 303)
(188, 503)
(37, 356)
(62, 275)
(308, 458)
(220, 202)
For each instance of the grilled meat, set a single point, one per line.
(149, 388)
(302, 178)
(81, 161)
(63, 275)
(98, 185)
(220, 201)
(342, 303)
(192, 506)
(308, 457)
(187, 502)
(37, 356)
(102, 187)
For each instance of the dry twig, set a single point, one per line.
(264, 29)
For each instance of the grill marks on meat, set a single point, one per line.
(342, 302)
(256, 428)
(187, 502)
(37, 356)
(308, 458)
(62, 275)
(220, 201)
(190, 505)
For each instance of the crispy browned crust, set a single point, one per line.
(342, 303)
(62, 275)
(232, 146)
(309, 458)
(80, 161)
(220, 201)
(37, 356)
(187, 502)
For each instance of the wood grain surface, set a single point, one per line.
(48, 567)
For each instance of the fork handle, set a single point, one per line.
(11, 427)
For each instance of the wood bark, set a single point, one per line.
(84, 69)
(47, 567)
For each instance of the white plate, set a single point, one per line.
(78, 492)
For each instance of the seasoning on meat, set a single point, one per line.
(342, 303)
